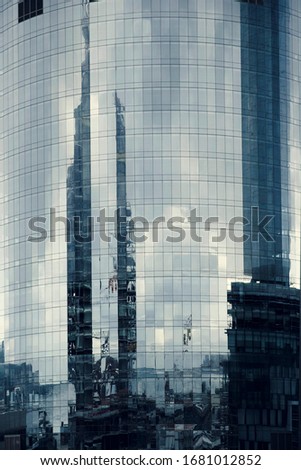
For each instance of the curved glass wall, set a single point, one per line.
(158, 144)
(42, 86)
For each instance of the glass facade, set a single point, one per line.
(150, 196)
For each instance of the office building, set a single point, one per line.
(150, 224)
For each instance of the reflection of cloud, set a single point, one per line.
(159, 338)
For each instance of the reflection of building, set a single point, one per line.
(27, 409)
(13, 394)
(79, 257)
(263, 366)
(265, 309)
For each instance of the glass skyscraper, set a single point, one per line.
(150, 224)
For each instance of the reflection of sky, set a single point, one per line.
(183, 152)
(35, 329)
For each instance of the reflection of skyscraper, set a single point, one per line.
(79, 256)
(264, 142)
(263, 366)
(126, 280)
(150, 109)
(114, 421)
(265, 313)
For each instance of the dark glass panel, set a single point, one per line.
(21, 12)
(39, 7)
